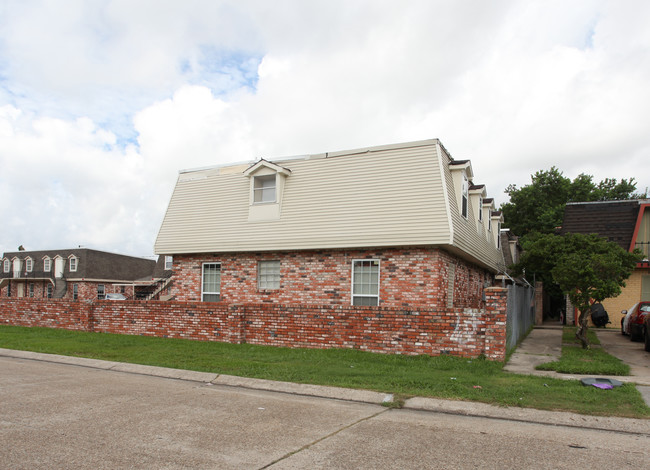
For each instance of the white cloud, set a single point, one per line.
(101, 103)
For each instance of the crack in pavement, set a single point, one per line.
(321, 439)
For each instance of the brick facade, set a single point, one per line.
(409, 278)
(465, 332)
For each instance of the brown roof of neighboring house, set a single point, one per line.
(614, 220)
(91, 264)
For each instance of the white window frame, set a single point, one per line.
(7, 265)
(268, 275)
(205, 292)
(47, 264)
(73, 264)
(101, 291)
(365, 295)
(262, 188)
(169, 263)
(499, 235)
(480, 209)
(464, 197)
(29, 265)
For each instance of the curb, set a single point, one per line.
(463, 408)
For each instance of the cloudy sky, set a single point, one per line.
(103, 102)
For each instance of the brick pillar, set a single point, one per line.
(496, 313)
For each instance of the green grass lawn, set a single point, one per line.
(594, 361)
(405, 376)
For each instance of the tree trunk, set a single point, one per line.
(583, 326)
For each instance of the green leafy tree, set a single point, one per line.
(587, 268)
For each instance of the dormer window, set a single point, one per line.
(7, 265)
(29, 265)
(465, 196)
(267, 182)
(480, 209)
(462, 173)
(47, 265)
(264, 189)
(73, 264)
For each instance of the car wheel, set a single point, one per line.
(634, 336)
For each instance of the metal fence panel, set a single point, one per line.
(521, 313)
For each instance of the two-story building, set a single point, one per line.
(399, 226)
(74, 274)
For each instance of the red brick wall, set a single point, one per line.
(465, 332)
(409, 277)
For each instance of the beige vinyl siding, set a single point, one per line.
(377, 198)
(384, 196)
(477, 244)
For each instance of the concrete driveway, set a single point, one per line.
(55, 415)
(630, 352)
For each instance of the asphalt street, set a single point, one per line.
(55, 415)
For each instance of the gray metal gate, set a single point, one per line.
(521, 313)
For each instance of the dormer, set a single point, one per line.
(488, 208)
(73, 262)
(18, 266)
(497, 220)
(462, 174)
(266, 190)
(477, 194)
(47, 264)
(29, 264)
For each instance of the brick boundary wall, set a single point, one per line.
(460, 332)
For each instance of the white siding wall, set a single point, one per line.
(386, 196)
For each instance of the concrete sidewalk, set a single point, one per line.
(626, 425)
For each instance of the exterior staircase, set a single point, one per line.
(60, 288)
(162, 287)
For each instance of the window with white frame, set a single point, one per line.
(264, 189)
(7, 265)
(169, 263)
(29, 265)
(464, 196)
(73, 264)
(499, 235)
(211, 282)
(101, 292)
(480, 208)
(489, 223)
(268, 275)
(47, 265)
(365, 282)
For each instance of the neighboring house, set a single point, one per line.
(626, 223)
(76, 274)
(400, 226)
